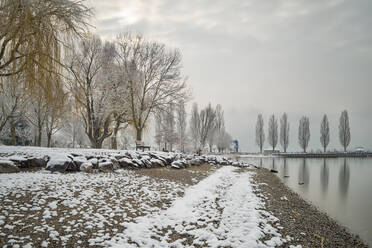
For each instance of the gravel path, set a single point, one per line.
(299, 219)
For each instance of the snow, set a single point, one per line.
(127, 209)
(197, 215)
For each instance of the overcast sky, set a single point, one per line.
(253, 56)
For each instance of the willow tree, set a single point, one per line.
(33, 32)
(153, 73)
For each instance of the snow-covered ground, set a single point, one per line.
(215, 207)
(126, 209)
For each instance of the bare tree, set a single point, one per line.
(207, 117)
(324, 133)
(220, 127)
(284, 132)
(272, 137)
(159, 132)
(304, 132)
(92, 89)
(260, 133)
(344, 130)
(169, 125)
(154, 77)
(195, 125)
(181, 124)
(55, 111)
(12, 99)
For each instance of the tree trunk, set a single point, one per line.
(39, 134)
(49, 136)
(324, 149)
(12, 131)
(139, 134)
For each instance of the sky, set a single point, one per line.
(274, 56)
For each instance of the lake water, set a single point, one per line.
(341, 187)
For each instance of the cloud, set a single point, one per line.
(299, 56)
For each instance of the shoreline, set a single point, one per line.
(307, 225)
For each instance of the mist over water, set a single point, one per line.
(340, 187)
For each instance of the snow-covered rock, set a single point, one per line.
(106, 166)
(125, 162)
(7, 166)
(61, 164)
(86, 167)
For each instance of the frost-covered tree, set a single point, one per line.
(272, 137)
(260, 132)
(304, 133)
(12, 99)
(169, 127)
(206, 117)
(154, 77)
(92, 87)
(344, 130)
(159, 135)
(284, 132)
(324, 133)
(181, 124)
(195, 125)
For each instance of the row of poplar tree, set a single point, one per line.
(303, 132)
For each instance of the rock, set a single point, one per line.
(38, 162)
(179, 164)
(146, 161)
(106, 166)
(115, 163)
(7, 166)
(86, 167)
(59, 165)
(79, 160)
(137, 163)
(94, 162)
(126, 162)
(273, 171)
(195, 162)
(20, 161)
(157, 162)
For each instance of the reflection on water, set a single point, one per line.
(344, 179)
(303, 175)
(285, 172)
(340, 187)
(324, 176)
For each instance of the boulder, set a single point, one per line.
(115, 163)
(94, 162)
(86, 167)
(61, 165)
(79, 160)
(126, 162)
(179, 164)
(156, 162)
(106, 166)
(20, 161)
(38, 161)
(7, 166)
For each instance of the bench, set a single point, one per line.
(141, 145)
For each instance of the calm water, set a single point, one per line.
(340, 187)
